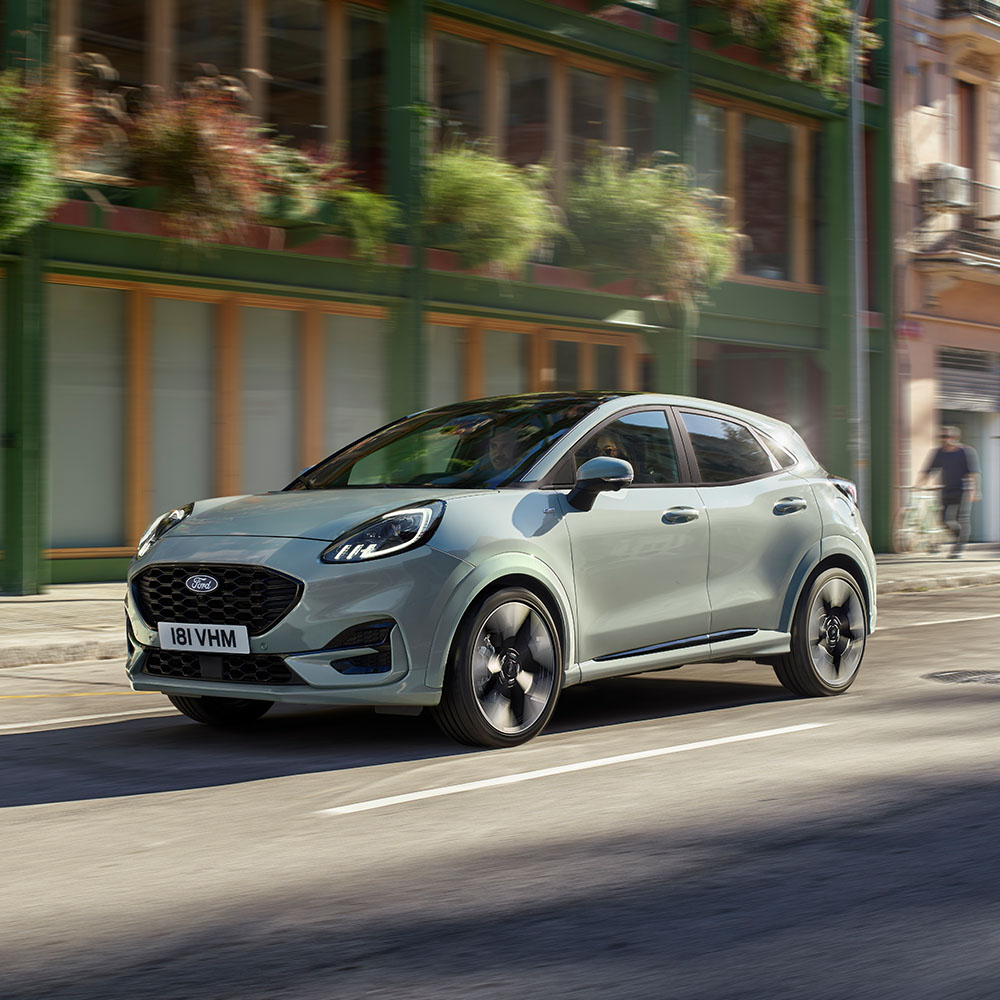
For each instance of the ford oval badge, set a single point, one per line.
(201, 584)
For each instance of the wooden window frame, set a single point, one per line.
(227, 383)
(800, 201)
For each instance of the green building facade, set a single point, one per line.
(141, 370)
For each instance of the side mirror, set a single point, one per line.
(599, 475)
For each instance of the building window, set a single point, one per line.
(356, 374)
(507, 359)
(640, 113)
(183, 379)
(588, 112)
(118, 32)
(526, 93)
(444, 368)
(208, 33)
(459, 71)
(710, 147)
(368, 95)
(296, 54)
(270, 378)
(85, 395)
(767, 156)
(566, 365)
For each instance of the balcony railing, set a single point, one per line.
(966, 8)
(973, 226)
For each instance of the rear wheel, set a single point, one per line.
(220, 711)
(828, 637)
(504, 674)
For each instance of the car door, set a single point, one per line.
(763, 521)
(640, 556)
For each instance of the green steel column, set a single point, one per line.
(21, 571)
(672, 345)
(407, 138)
(22, 434)
(882, 367)
(837, 347)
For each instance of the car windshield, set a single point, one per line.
(483, 443)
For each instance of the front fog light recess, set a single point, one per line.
(386, 535)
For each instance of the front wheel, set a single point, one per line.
(220, 711)
(828, 637)
(504, 673)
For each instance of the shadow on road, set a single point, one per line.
(143, 756)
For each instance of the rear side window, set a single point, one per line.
(726, 451)
(783, 456)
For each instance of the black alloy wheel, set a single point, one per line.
(504, 674)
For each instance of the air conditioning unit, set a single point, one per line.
(947, 187)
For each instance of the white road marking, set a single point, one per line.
(84, 718)
(545, 772)
(944, 621)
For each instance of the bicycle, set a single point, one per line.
(917, 525)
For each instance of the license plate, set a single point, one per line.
(204, 638)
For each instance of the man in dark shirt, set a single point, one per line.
(958, 466)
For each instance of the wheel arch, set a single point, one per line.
(843, 561)
(535, 577)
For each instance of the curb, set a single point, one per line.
(920, 584)
(62, 652)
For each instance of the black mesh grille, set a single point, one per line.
(247, 595)
(372, 635)
(208, 667)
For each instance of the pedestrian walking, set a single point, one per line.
(958, 467)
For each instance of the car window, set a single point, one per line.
(642, 439)
(483, 443)
(783, 456)
(726, 451)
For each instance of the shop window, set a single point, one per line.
(767, 158)
(507, 360)
(118, 32)
(526, 82)
(566, 357)
(296, 53)
(640, 112)
(3, 357)
(183, 415)
(356, 396)
(588, 112)
(608, 366)
(366, 130)
(209, 33)
(85, 397)
(444, 364)
(459, 67)
(270, 394)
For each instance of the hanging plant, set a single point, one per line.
(486, 210)
(201, 151)
(648, 223)
(804, 39)
(43, 131)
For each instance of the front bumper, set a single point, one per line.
(409, 591)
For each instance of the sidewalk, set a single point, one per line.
(85, 621)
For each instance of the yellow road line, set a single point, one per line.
(72, 694)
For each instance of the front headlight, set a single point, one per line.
(161, 526)
(387, 535)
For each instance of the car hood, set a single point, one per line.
(324, 515)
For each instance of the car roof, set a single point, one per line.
(605, 399)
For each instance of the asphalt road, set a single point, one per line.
(148, 857)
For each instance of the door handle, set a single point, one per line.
(789, 505)
(679, 515)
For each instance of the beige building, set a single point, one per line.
(947, 224)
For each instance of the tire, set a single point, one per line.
(504, 673)
(906, 530)
(828, 637)
(220, 711)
